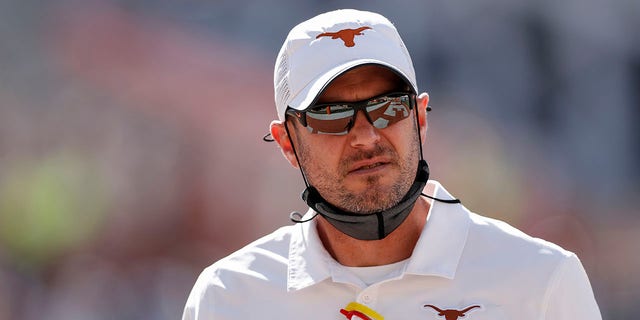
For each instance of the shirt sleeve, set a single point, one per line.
(199, 304)
(569, 295)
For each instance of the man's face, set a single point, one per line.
(368, 169)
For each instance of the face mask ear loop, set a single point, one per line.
(304, 177)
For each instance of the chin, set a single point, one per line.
(373, 199)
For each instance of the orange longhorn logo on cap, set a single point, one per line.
(347, 35)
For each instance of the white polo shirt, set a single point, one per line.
(463, 265)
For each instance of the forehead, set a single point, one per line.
(361, 83)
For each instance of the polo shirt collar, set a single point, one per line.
(443, 238)
(437, 252)
(309, 261)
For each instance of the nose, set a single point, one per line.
(363, 133)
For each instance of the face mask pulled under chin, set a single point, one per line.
(371, 226)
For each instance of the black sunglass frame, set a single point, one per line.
(356, 106)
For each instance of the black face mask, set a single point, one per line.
(371, 226)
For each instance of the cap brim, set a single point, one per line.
(310, 93)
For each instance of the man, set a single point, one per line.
(379, 241)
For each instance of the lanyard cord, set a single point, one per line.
(304, 177)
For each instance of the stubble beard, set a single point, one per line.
(375, 197)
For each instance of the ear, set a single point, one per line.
(423, 103)
(279, 134)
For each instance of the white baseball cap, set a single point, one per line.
(318, 50)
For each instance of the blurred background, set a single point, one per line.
(131, 153)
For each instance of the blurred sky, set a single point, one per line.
(131, 153)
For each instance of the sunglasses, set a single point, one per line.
(337, 118)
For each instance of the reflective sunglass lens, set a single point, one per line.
(386, 113)
(337, 119)
(330, 119)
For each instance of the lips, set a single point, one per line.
(368, 166)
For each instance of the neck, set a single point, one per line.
(396, 247)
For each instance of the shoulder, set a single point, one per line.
(260, 266)
(540, 268)
(264, 260)
(502, 236)
(262, 256)
(501, 245)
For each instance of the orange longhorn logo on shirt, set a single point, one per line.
(347, 35)
(451, 314)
